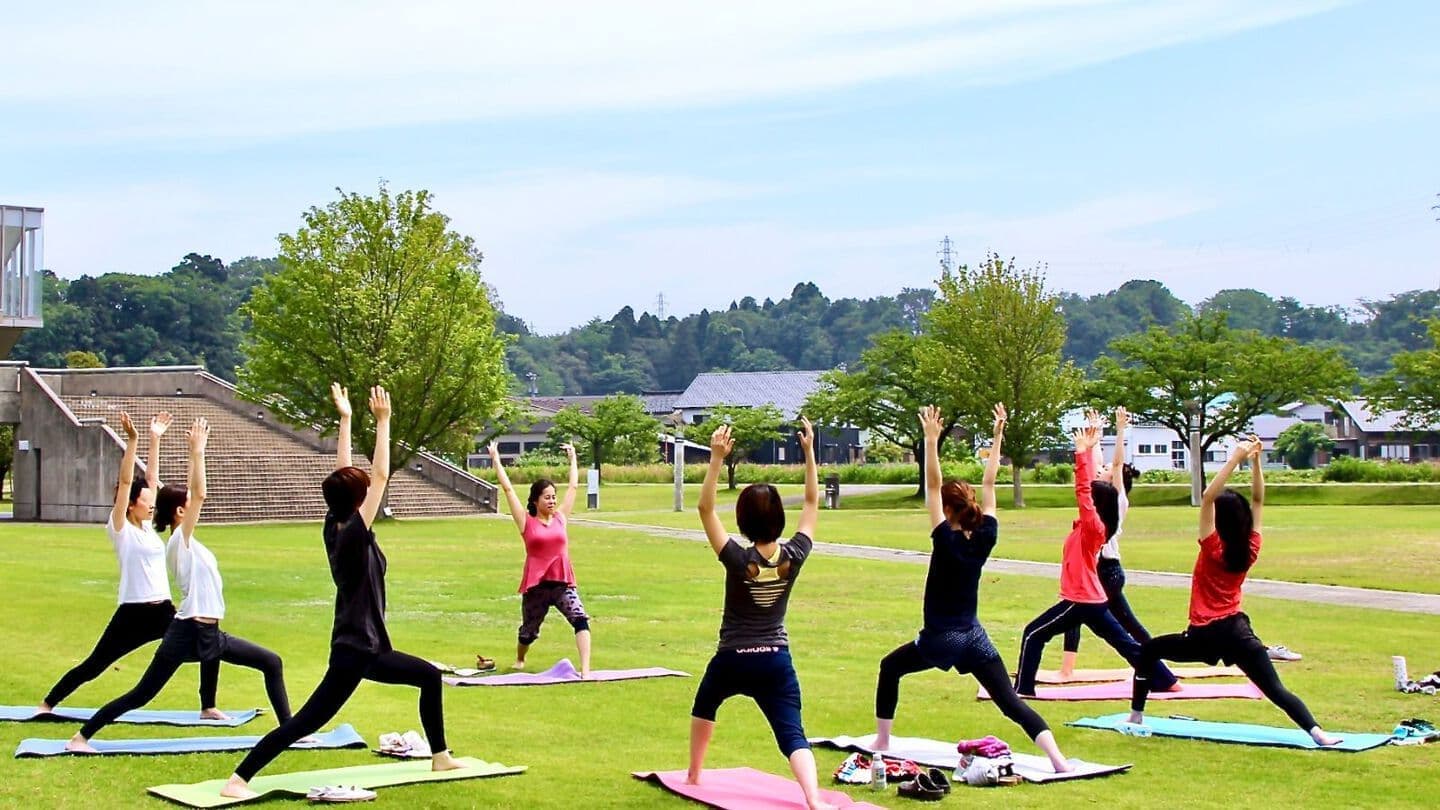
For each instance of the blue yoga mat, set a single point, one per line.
(344, 736)
(1241, 733)
(166, 718)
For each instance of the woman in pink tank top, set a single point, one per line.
(548, 579)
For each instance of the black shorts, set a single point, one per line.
(188, 640)
(1229, 639)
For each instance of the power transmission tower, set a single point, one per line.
(947, 260)
(660, 306)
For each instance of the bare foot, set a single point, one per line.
(692, 778)
(237, 788)
(584, 674)
(518, 665)
(79, 745)
(43, 708)
(213, 714)
(820, 804)
(444, 762)
(1062, 767)
(881, 744)
(1064, 677)
(1321, 738)
(1137, 718)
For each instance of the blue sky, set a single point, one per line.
(601, 154)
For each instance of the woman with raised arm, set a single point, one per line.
(145, 608)
(963, 536)
(1082, 598)
(194, 633)
(359, 642)
(1219, 630)
(548, 579)
(1121, 476)
(753, 658)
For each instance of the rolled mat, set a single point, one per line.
(565, 672)
(207, 794)
(344, 736)
(1238, 733)
(1050, 676)
(937, 754)
(26, 714)
(744, 789)
(1121, 690)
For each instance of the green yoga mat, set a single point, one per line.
(207, 794)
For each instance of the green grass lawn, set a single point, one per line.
(1389, 547)
(656, 602)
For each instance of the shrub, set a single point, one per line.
(1054, 474)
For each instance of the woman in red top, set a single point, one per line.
(1229, 546)
(548, 580)
(1082, 598)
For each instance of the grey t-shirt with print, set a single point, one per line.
(757, 591)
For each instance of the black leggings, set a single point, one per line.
(348, 666)
(1066, 614)
(1112, 578)
(162, 667)
(992, 675)
(1231, 639)
(133, 626)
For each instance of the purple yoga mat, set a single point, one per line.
(745, 789)
(1121, 690)
(565, 672)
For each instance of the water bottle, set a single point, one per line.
(877, 772)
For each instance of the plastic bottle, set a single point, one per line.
(877, 772)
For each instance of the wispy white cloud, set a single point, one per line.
(270, 68)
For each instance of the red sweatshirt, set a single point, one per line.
(1078, 580)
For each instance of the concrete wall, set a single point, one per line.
(10, 391)
(69, 468)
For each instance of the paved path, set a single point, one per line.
(1402, 601)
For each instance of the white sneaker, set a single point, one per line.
(1279, 652)
(340, 793)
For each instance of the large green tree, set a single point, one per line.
(378, 290)
(613, 423)
(1412, 385)
(749, 428)
(998, 336)
(883, 394)
(1203, 374)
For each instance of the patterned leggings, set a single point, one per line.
(537, 602)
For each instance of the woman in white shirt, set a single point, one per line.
(194, 634)
(145, 608)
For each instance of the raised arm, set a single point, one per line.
(380, 462)
(517, 509)
(933, 427)
(720, 446)
(127, 472)
(1085, 440)
(992, 464)
(810, 515)
(1117, 463)
(567, 504)
(342, 438)
(197, 436)
(158, 425)
(1257, 482)
(1217, 486)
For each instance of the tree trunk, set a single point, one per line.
(730, 469)
(1015, 482)
(919, 452)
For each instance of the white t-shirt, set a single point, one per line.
(198, 575)
(141, 553)
(1111, 549)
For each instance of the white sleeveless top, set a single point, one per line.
(141, 553)
(198, 575)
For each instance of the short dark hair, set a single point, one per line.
(760, 513)
(1234, 522)
(167, 501)
(959, 498)
(345, 490)
(537, 488)
(1107, 503)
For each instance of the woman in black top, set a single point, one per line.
(952, 637)
(359, 644)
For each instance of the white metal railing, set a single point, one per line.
(22, 251)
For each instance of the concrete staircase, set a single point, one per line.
(256, 472)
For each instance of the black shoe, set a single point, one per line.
(937, 778)
(921, 788)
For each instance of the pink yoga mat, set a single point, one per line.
(565, 672)
(1120, 690)
(745, 789)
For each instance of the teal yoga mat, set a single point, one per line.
(1238, 733)
(207, 794)
(344, 736)
(65, 714)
